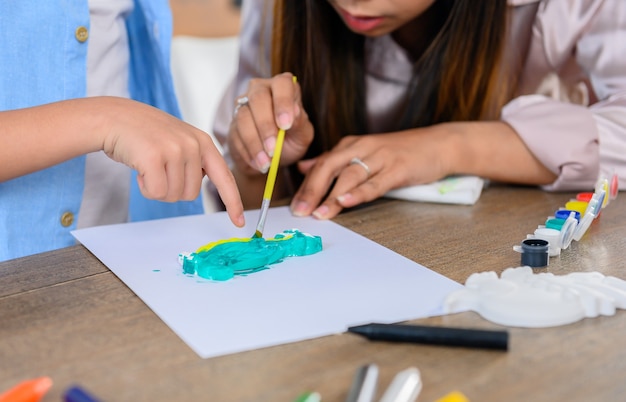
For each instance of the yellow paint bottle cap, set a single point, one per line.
(575, 205)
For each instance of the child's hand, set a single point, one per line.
(267, 106)
(170, 156)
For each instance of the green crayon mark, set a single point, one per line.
(448, 185)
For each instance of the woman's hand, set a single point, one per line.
(490, 149)
(366, 167)
(267, 106)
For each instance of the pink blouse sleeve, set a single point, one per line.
(572, 111)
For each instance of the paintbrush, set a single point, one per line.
(271, 181)
(269, 184)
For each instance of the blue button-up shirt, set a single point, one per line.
(41, 61)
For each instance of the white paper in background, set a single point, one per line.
(352, 281)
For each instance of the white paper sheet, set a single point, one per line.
(352, 281)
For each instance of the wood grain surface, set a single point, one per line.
(65, 315)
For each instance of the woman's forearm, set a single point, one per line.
(492, 150)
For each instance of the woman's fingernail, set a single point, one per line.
(344, 199)
(300, 208)
(270, 145)
(284, 121)
(321, 212)
(262, 162)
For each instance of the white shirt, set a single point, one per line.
(107, 183)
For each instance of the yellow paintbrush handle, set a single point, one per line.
(271, 175)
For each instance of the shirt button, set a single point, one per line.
(67, 219)
(81, 34)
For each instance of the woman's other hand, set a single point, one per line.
(362, 168)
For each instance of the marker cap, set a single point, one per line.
(454, 396)
(77, 394)
(28, 391)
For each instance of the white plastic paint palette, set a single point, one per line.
(521, 298)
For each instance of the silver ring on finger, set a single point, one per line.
(242, 101)
(358, 161)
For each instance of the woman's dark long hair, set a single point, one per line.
(459, 77)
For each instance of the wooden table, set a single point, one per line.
(65, 315)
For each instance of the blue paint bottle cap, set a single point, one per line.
(564, 214)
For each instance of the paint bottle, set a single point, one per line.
(535, 252)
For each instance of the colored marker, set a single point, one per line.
(473, 338)
(28, 391)
(77, 394)
(309, 397)
(405, 387)
(363, 387)
(454, 396)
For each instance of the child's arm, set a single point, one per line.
(170, 156)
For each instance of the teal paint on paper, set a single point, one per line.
(222, 260)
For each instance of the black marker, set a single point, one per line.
(472, 338)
